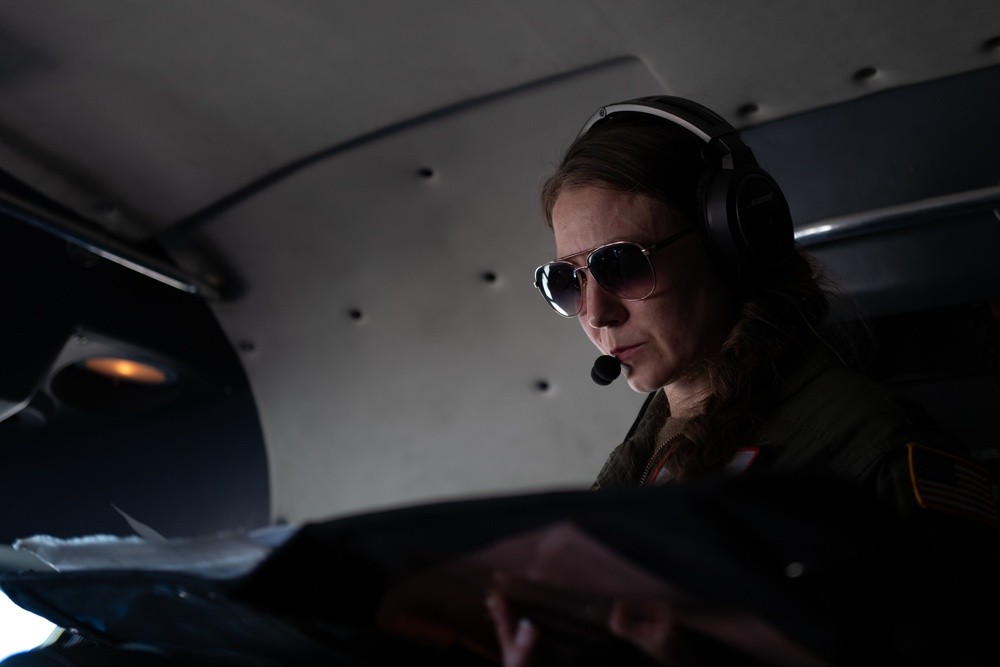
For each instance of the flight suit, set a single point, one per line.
(825, 418)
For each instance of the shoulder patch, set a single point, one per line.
(946, 483)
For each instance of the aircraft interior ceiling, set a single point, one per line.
(320, 221)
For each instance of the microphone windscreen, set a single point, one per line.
(606, 369)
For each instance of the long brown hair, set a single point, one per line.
(781, 315)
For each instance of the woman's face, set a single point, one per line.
(691, 308)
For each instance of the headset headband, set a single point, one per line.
(699, 120)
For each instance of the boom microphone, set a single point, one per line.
(606, 370)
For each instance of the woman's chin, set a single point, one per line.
(640, 378)
(639, 383)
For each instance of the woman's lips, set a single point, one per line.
(623, 354)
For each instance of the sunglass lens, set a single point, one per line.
(623, 270)
(560, 287)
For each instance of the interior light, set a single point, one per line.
(126, 370)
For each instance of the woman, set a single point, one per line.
(723, 309)
(675, 252)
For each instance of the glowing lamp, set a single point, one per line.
(126, 370)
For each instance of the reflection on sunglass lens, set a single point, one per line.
(560, 287)
(622, 270)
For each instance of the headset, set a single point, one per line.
(746, 222)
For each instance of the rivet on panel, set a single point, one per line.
(543, 386)
(747, 109)
(794, 570)
(247, 345)
(488, 276)
(426, 172)
(992, 45)
(356, 314)
(865, 74)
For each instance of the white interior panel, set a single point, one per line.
(434, 390)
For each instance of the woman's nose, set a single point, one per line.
(600, 309)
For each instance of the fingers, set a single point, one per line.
(517, 638)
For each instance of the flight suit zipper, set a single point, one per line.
(655, 457)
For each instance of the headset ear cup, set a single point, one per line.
(748, 226)
(760, 220)
(722, 245)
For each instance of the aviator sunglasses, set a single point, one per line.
(622, 269)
